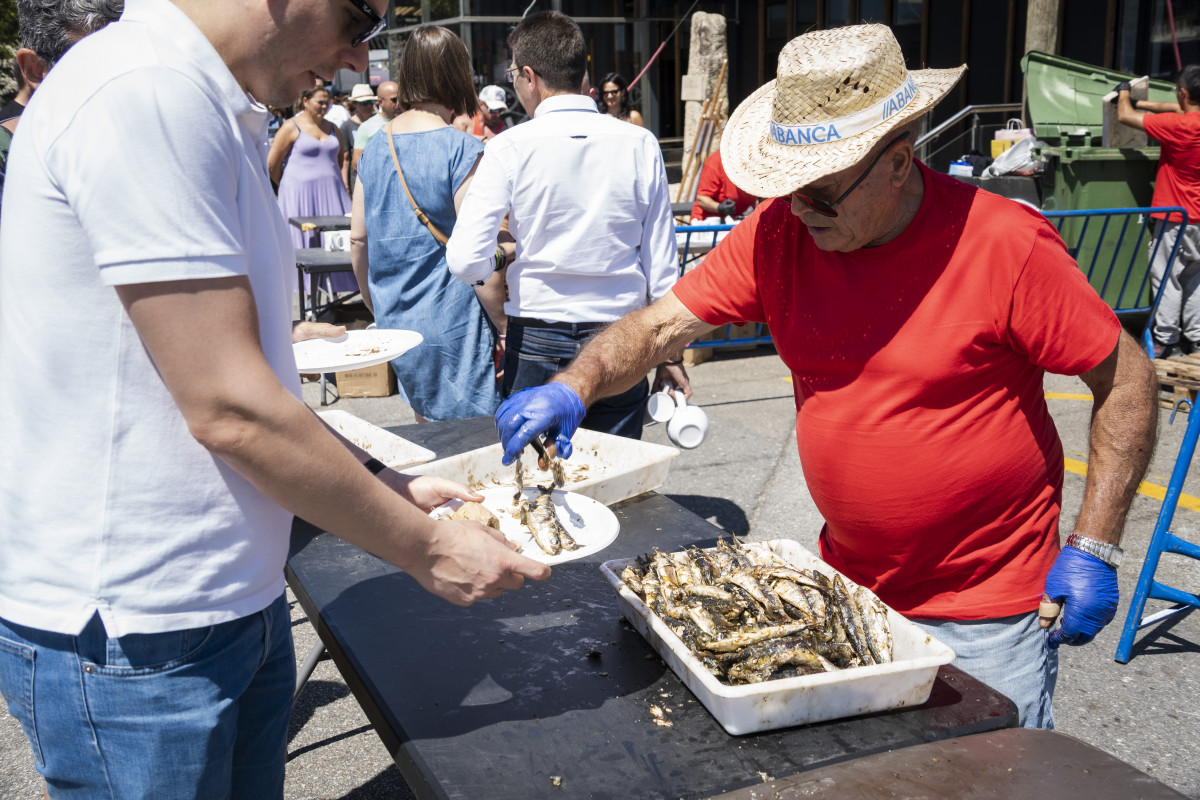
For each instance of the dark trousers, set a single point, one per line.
(537, 350)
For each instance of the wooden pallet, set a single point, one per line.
(1178, 379)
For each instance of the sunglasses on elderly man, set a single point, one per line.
(377, 23)
(827, 209)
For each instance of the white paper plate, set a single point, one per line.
(591, 524)
(353, 350)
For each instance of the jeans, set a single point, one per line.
(1010, 655)
(1180, 304)
(534, 354)
(200, 713)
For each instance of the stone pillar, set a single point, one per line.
(705, 55)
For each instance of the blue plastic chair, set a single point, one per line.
(1163, 541)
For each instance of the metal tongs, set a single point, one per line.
(548, 459)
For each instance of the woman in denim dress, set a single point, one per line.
(400, 265)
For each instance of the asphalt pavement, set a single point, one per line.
(746, 479)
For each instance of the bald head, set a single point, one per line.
(387, 92)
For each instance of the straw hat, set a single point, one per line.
(362, 93)
(836, 94)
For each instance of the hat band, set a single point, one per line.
(849, 125)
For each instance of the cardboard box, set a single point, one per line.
(376, 381)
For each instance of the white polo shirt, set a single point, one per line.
(591, 215)
(139, 160)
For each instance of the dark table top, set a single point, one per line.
(1018, 763)
(497, 700)
(316, 260)
(336, 222)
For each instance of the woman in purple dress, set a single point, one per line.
(305, 162)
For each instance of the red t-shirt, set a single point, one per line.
(918, 365)
(715, 183)
(1178, 180)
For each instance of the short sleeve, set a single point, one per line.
(1170, 128)
(155, 205)
(724, 288)
(1056, 318)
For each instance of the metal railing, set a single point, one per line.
(975, 131)
(695, 241)
(1114, 257)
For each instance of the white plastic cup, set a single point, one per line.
(688, 427)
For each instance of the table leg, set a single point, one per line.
(306, 669)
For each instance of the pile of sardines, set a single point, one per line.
(750, 616)
(539, 516)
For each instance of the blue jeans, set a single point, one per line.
(198, 713)
(1010, 655)
(534, 353)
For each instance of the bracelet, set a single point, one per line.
(501, 259)
(374, 466)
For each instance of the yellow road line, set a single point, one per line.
(1067, 396)
(1149, 489)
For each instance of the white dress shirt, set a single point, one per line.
(589, 209)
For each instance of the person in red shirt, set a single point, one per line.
(1176, 126)
(918, 316)
(718, 196)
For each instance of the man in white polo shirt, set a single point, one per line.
(146, 502)
(587, 200)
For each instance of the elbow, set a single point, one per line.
(221, 430)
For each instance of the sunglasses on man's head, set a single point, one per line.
(827, 209)
(377, 23)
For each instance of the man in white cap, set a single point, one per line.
(487, 122)
(918, 315)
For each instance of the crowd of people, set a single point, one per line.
(917, 315)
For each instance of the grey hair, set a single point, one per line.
(50, 27)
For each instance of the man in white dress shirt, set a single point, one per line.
(587, 200)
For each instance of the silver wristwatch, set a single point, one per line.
(1110, 554)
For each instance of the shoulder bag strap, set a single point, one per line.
(437, 234)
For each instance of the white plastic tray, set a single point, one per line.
(389, 448)
(604, 467)
(750, 708)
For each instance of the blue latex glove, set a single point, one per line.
(553, 409)
(1087, 588)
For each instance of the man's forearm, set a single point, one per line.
(1124, 428)
(623, 353)
(709, 204)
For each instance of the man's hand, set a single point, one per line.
(553, 409)
(468, 561)
(303, 331)
(1123, 86)
(726, 208)
(672, 378)
(1087, 588)
(427, 492)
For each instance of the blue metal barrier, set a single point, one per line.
(697, 241)
(1163, 541)
(1115, 260)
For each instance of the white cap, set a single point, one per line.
(493, 97)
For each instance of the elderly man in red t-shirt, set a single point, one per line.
(918, 316)
(1176, 126)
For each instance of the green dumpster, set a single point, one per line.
(1066, 110)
